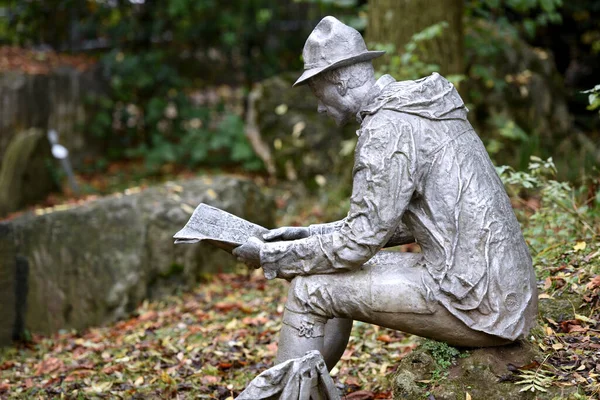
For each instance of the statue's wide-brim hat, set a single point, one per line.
(331, 45)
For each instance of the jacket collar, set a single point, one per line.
(374, 93)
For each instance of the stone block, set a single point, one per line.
(483, 373)
(94, 263)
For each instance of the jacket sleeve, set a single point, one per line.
(330, 227)
(401, 235)
(383, 184)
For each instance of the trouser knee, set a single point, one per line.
(310, 295)
(303, 311)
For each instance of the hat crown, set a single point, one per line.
(331, 41)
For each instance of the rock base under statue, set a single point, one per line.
(485, 373)
(303, 378)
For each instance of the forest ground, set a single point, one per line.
(210, 342)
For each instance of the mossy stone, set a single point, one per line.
(482, 373)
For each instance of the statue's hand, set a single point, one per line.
(286, 233)
(249, 252)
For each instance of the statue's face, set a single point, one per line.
(331, 99)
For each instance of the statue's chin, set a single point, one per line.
(339, 122)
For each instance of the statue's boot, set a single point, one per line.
(303, 378)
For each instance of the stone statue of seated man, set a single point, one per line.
(421, 174)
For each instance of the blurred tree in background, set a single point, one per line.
(156, 55)
(395, 22)
(178, 71)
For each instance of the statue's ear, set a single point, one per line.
(342, 87)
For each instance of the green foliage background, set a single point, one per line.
(157, 55)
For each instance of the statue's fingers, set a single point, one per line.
(325, 381)
(269, 274)
(308, 384)
(273, 234)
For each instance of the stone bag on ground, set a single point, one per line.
(93, 263)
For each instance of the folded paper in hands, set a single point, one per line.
(217, 227)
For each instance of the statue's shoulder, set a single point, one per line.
(432, 97)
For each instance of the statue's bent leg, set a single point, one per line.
(387, 291)
(337, 334)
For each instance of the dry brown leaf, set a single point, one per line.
(352, 381)
(79, 374)
(49, 365)
(210, 379)
(385, 338)
(361, 395)
(112, 369)
(593, 283)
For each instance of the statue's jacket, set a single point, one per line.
(422, 172)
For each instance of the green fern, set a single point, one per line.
(534, 381)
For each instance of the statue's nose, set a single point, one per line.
(321, 109)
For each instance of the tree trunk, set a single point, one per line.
(395, 21)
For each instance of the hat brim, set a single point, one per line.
(309, 73)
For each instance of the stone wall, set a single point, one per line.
(88, 265)
(49, 101)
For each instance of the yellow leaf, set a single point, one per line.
(585, 319)
(211, 193)
(579, 246)
(281, 109)
(232, 324)
(187, 208)
(139, 381)
(99, 387)
(467, 396)
(544, 296)
(557, 346)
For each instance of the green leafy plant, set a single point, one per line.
(562, 213)
(443, 354)
(409, 64)
(531, 14)
(535, 381)
(593, 98)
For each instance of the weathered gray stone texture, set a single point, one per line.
(94, 263)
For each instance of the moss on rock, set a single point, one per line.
(482, 373)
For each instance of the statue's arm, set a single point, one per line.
(382, 188)
(323, 229)
(401, 235)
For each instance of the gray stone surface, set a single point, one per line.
(24, 173)
(57, 100)
(7, 284)
(92, 264)
(482, 373)
(51, 101)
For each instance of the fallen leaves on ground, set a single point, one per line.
(571, 345)
(206, 344)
